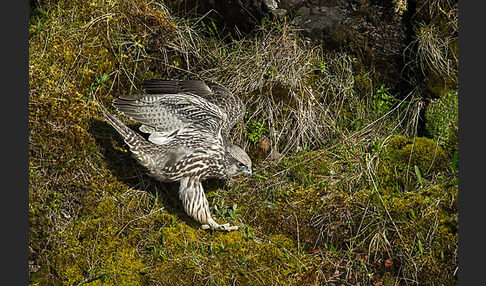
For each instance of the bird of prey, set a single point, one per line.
(188, 123)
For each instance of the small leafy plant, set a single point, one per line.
(383, 100)
(255, 131)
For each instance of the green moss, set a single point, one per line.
(441, 120)
(119, 246)
(397, 171)
(438, 84)
(89, 251)
(364, 83)
(96, 219)
(223, 258)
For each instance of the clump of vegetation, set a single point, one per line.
(383, 100)
(276, 63)
(435, 44)
(442, 120)
(255, 131)
(340, 201)
(343, 220)
(405, 163)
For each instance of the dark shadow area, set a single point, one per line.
(126, 168)
(234, 18)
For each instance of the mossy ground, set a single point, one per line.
(343, 203)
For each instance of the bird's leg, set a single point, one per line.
(196, 205)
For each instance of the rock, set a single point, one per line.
(260, 150)
(370, 30)
(231, 16)
(373, 31)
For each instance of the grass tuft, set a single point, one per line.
(345, 189)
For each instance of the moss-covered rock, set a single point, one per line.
(437, 84)
(406, 163)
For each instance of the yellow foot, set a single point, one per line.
(220, 227)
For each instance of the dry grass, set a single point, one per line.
(332, 209)
(271, 70)
(434, 50)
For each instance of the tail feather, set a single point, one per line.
(138, 145)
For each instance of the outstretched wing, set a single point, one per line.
(162, 114)
(214, 93)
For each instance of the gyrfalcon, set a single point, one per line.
(188, 123)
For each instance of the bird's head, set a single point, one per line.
(238, 162)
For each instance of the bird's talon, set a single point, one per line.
(221, 227)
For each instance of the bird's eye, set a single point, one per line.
(241, 165)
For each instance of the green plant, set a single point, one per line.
(321, 66)
(98, 81)
(223, 211)
(383, 100)
(441, 119)
(333, 212)
(453, 166)
(211, 28)
(419, 175)
(36, 23)
(255, 131)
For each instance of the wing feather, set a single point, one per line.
(214, 93)
(170, 112)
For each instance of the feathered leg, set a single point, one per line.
(196, 205)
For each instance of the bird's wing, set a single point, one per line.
(214, 93)
(170, 112)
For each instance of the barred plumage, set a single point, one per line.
(189, 124)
